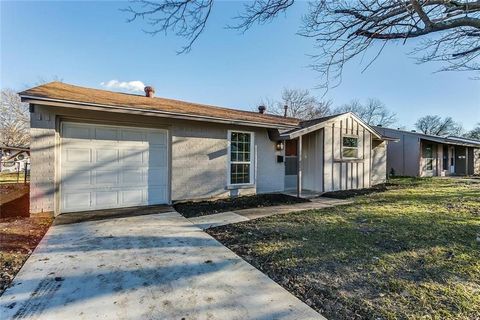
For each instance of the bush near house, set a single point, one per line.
(410, 252)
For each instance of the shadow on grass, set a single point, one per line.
(380, 256)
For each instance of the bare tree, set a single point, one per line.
(474, 133)
(14, 120)
(342, 29)
(373, 112)
(300, 104)
(438, 126)
(185, 18)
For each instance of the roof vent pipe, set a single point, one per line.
(286, 109)
(149, 91)
(261, 109)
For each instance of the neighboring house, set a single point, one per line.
(14, 159)
(94, 149)
(421, 155)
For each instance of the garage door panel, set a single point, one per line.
(155, 194)
(77, 177)
(77, 200)
(133, 177)
(132, 156)
(157, 138)
(76, 132)
(106, 198)
(157, 157)
(112, 166)
(132, 196)
(133, 135)
(106, 155)
(73, 155)
(156, 177)
(106, 178)
(106, 134)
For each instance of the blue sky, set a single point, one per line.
(87, 43)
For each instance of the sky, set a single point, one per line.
(91, 44)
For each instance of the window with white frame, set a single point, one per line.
(350, 147)
(240, 157)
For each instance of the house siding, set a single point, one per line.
(198, 155)
(476, 161)
(379, 162)
(402, 156)
(342, 174)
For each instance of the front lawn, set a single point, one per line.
(410, 252)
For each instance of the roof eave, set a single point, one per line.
(159, 113)
(318, 126)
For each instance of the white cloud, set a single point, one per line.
(132, 86)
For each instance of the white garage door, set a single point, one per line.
(106, 167)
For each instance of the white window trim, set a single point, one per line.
(357, 147)
(251, 162)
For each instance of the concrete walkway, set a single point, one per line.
(156, 266)
(225, 218)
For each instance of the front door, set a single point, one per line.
(452, 160)
(291, 164)
(460, 160)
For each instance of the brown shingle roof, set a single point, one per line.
(70, 93)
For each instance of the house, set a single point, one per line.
(14, 159)
(94, 149)
(422, 155)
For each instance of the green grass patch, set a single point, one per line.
(12, 177)
(411, 252)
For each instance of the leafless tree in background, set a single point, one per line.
(373, 112)
(438, 126)
(301, 104)
(14, 120)
(342, 30)
(474, 133)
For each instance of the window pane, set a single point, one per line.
(240, 173)
(350, 142)
(291, 148)
(240, 152)
(428, 151)
(350, 152)
(240, 147)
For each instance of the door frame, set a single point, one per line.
(60, 120)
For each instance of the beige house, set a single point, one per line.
(94, 149)
(421, 155)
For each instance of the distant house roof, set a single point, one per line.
(433, 138)
(81, 96)
(462, 140)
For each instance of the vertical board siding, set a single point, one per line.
(344, 175)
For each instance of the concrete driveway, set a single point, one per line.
(156, 266)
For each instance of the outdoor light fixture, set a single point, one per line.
(279, 145)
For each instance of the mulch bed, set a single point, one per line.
(202, 208)
(345, 194)
(18, 238)
(15, 200)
